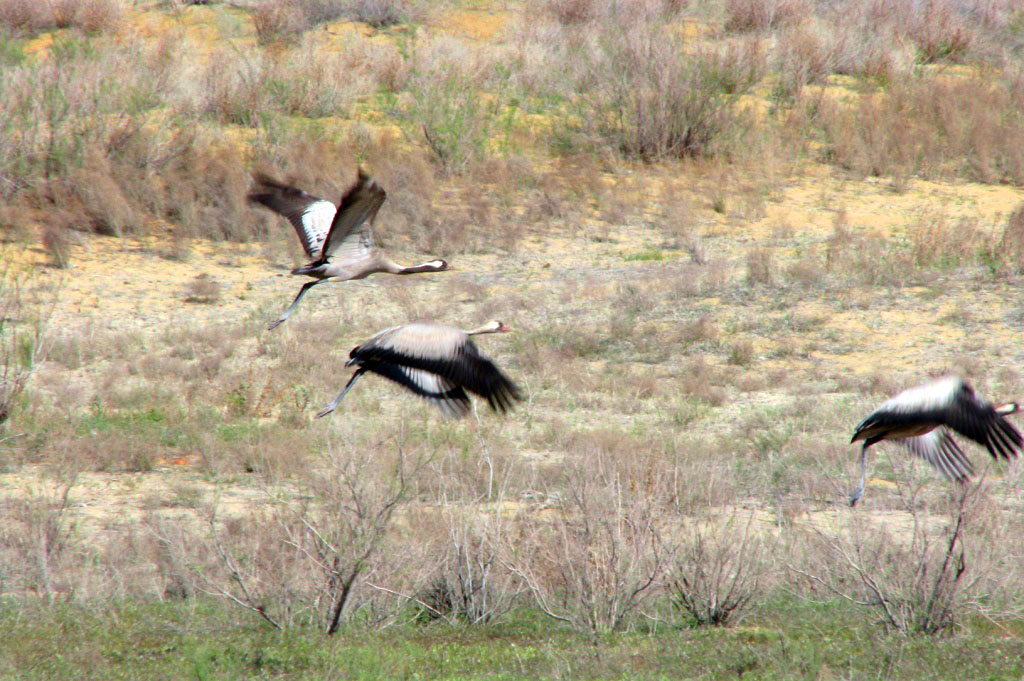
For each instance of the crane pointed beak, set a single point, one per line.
(1008, 408)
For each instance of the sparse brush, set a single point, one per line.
(57, 242)
(803, 59)
(720, 573)
(469, 586)
(598, 560)
(702, 381)
(939, 32)
(870, 260)
(571, 12)
(450, 112)
(1011, 244)
(922, 580)
(203, 289)
(91, 16)
(38, 547)
(657, 98)
(760, 267)
(301, 562)
(24, 337)
(931, 127)
(807, 271)
(936, 241)
(741, 353)
(759, 15)
(701, 330)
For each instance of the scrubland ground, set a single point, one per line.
(723, 231)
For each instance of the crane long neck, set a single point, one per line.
(395, 268)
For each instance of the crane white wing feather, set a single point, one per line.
(940, 450)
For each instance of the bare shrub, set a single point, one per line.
(719, 575)
(286, 18)
(803, 58)
(24, 337)
(919, 579)
(758, 15)
(572, 12)
(932, 127)
(701, 330)
(640, 93)
(598, 558)
(702, 381)
(939, 32)
(275, 21)
(760, 267)
(78, 140)
(469, 585)
(302, 563)
(1011, 244)
(936, 241)
(381, 13)
(741, 353)
(91, 16)
(866, 259)
(57, 242)
(807, 271)
(37, 541)
(203, 289)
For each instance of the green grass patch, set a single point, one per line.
(649, 255)
(207, 639)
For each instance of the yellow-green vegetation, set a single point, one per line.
(722, 231)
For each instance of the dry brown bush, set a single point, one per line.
(803, 58)
(741, 353)
(672, 102)
(466, 582)
(284, 19)
(938, 242)
(701, 380)
(1011, 244)
(34, 16)
(447, 108)
(305, 560)
(57, 242)
(759, 15)
(870, 260)
(598, 557)
(924, 580)
(203, 289)
(939, 31)
(275, 21)
(95, 154)
(24, 336)
(702, 330)
(720, 574)
(760, 267)
(932, 127)
(572, 12)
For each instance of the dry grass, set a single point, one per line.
(91, 16)
(1011, 244)
(286, 19)
(760, 15)
(931, 127)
